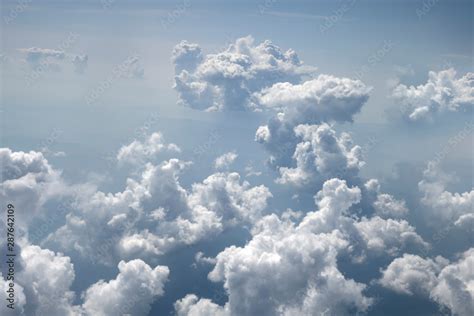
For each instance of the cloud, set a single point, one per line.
(283, 270)
(19, 297)
(443, 206)
(139, 152)
(290, 268)
(80, 63)
(385, 205)
(389, 236)
(321, 155)
(442, 93)
(186, 56)
(411, 274)
(46, 59)
(448, 284)
(132, 292)
(29, 181)
(225, 160)
(324, 99)
(132, 68)
(46, 279)
(35, 55)
(227, 80)
(155, 214)
(191, 305)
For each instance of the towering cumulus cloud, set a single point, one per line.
(321, 155)
(227, 80)
(442, 93)
(325, 99)
(263, 77)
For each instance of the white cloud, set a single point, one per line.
(46, 278)
(322, 99)
(227, 80)
(28, 181)
(385, 205)
(155, 214)
(132, 292)
(328, 99)
(442, 93)
(80, 63)
(322, 155)
(19, 297)
(389, 236)
(223, 194)
(455, 288)
(411, 274)
(289, 267)
(186, 56)
(139, 152)
(443, 206)
(46, 59)
(225, 160)
(450, 285)
(285, 268)
(191, 305)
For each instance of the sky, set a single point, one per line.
(238, 157)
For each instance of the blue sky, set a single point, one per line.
(122, 108)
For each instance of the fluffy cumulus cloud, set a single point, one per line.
(385, 205)
(47, 278)
(324, 98)
(321, 155)
(225, 160)
(28, 181)
(154, 213)
(20, 298)
(44, 278)
(135, 288)
(43, 281)
(138, 152)
(46, 59)
(329, 99)
(191, 305)
(289, 267)
(389, 236)
(443, 206)
(448, 284)
(444, 92)
(229, 79)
